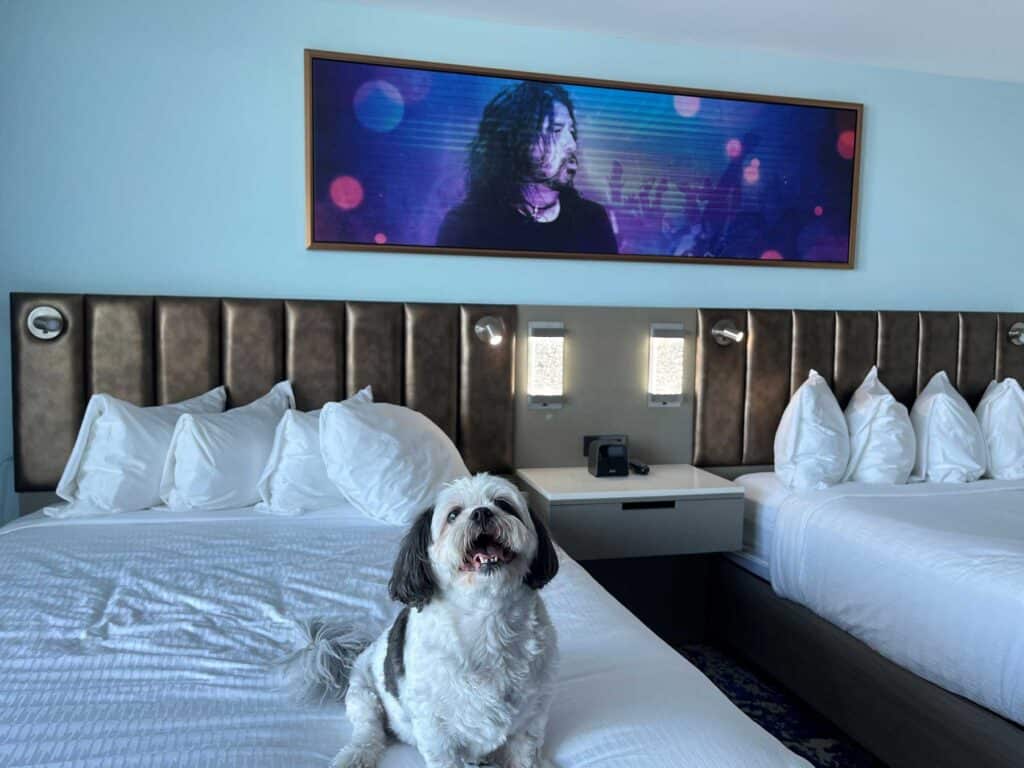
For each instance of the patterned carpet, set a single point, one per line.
(779, 712)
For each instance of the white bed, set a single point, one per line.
(930, 575)
(148, 639)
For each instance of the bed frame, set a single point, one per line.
(161, 349)
(742, 389)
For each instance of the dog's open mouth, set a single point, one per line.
(486, 553)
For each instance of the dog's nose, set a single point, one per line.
(481, 514)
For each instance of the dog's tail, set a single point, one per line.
(319, 670)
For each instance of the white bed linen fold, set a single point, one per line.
(148, 639)
(763, 493)
(929, 575)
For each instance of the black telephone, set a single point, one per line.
(608, 456)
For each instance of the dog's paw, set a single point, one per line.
(356, 757)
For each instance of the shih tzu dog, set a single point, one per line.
(465, 672)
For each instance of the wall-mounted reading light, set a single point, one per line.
(45, 323)
(546, 361)
(725, 333)
(1016, 334)
(665, 369)
(490, 330)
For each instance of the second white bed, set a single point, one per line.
(930, 575)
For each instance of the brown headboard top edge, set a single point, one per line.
(158, 349)
(743, 387)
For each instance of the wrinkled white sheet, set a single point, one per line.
(929, 575)
(147, 639)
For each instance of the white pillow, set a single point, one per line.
(119, 454)
(389, 461)
(215, 461)
(295, 478)
(882, 442)
(812, 444)
(1001, 415)
(950, 444)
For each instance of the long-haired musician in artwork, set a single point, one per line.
(520, 193)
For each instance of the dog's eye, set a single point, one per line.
(453, 514)
(505, 506)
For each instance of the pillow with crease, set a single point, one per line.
(882, 444)
(1001, 415)
(295, 478)
(812, 444)
(389, 461)
(215, 460)
(950, 444)
(119, 454)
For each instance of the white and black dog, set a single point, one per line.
(465, 672)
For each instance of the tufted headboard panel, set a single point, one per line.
(743, 387)
(160, 349)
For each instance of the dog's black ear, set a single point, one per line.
(545, 563)
(412, 580)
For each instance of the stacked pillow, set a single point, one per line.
(877, 441)
(215, 460)
(295, 477)
(114, 465)
(1001, 415)
(882, 441)
(812, 444)
(388, 461)
(950, 444)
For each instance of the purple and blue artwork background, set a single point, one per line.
(678, 175)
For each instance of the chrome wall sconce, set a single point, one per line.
(45, 323)
(1016, 334)
(665, 366)
(725, 333)
(545, 364)
(490, 330)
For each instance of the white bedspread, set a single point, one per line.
(930, 575)
(148, 640)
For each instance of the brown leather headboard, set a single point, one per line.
(156, 349)
(742, 388)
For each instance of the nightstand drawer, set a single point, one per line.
(648, 527)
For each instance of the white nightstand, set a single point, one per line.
(677, 509)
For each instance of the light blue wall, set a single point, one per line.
(158, 148)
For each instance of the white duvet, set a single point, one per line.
(148, 639)
(929, 575)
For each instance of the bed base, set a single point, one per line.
(904, 720)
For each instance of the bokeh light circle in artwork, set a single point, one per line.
(379, 106)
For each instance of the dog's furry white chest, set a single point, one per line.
(480, 672)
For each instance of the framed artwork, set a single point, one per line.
(435, 158)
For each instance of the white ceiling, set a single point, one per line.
(965, 38)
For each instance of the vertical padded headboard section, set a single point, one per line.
(253, 347)
(374, 349)
(767, 381)
(155, 350)
(743, 388)
(315, 357)
(119, 347)
(432, 363)
(187, 347)
(487, 439)
(721, 391)
(48, 379)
